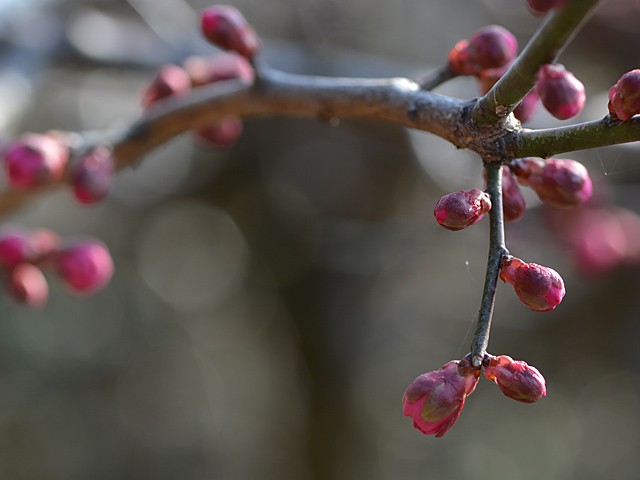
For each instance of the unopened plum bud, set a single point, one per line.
(43, 243)
(84, 266)
(226, 27)
(490, 47)
(223, 135)
(540, 288)
(435, 399)
(527, 107)
(171, 80)
(624, 96)
(28, 286)
(558, 182)
(459, 210)
(92, 176)
(561, 93)
(35, 159)
(543, 6)
(515, 378)
(513, 203)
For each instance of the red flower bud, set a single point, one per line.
(624, 96)
(540, 288)
(562, 94)
(513, 203)
(170, 81)
(543, 6)
(85, 266)
(527, 107)
(459, 210)
(558, 182)
(15, 247)
(516, 379)
(435, 399)
(490, 47)
(226, 27)
(34, 160)
(92, 176)
(28, 286)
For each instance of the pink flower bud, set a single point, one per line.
(513, 203)
(92, 176)
(223, 135)
(540, 288)
(562, 94)
(459, 210)
(435, 399)
(558, 182)
(543, 6)
(84, 266)
(170, 81)
(15, 247)
(516, 379)
(226, 27)
(527, 107)
(28, 286)
(490, 47)
(624, 96)
(34, 160)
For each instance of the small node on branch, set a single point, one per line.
(515, 378)
(36, 159)
(624, 96)
(226, 27)
(435, 399)
(462, 209)
(558, 182)
(561, 93)
(540, 288)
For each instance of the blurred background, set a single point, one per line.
(272, 302)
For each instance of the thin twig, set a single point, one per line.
(497, 249)
(436, 78)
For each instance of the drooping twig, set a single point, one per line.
(497, 250)
(544, 47)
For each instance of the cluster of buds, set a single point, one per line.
(83, 266)
(225, 27)
(540, 288)
(33, 160)
(435, 399)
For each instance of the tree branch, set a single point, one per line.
(497, 249)
(544, 47)
(599, 133)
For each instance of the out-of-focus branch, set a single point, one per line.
(544, 47)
